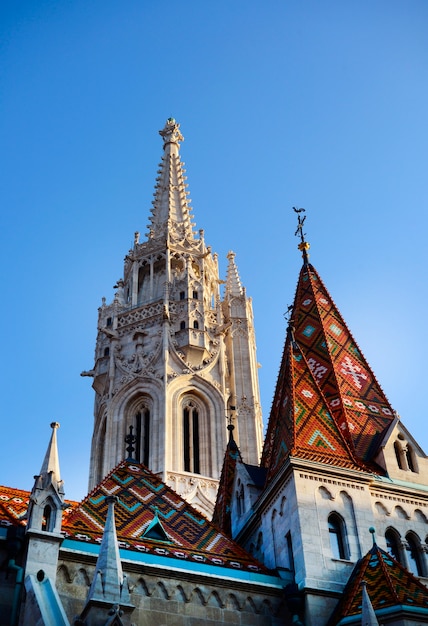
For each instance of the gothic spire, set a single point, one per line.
(50, 467)
(171, 212)
(108, 582)
(327, 398)
(233, 282)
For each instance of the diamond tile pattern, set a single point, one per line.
(328, 405)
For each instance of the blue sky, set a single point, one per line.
(281, 103)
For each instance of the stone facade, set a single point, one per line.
(175, 358)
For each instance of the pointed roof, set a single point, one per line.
(49, 472)
(389, 585)
(143, 499)
(222, 510)
(343, 395)
(301, 423)
(367, 611)
(108, 578)
(171, 212)
(233, 282)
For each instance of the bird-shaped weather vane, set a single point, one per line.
(303, 245)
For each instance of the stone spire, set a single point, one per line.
(171, 213)
(233, 282)
(109, 586)
(50, 468)
(367, 612)
(44, 515)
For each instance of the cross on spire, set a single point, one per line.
(130, 440)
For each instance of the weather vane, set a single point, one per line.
(303, 245)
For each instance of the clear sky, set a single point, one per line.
(282, 103)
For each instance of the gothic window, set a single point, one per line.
(106, 351)
(410, 457)
(48, 520)
(393, 544)
(290, 556)
(195, 295)
(109, 321)
(195, 324)
(414, 554)
(240, 499)
(337, 531)
(191, 451)
(182, 325)
(142, 433)
(398, 452)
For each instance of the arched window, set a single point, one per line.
(398, 452)
(191, 450)
(411, 460)
(414, 554)
(393, 544)
(48, 519)
(337, 531)
(196, 324)
(240, 499)
(142, 433)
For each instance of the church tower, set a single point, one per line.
(174, 357)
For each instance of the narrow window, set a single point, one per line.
(182, 325)
(109, 321)
(195, 324)
(392, 545)
(397, 450)
(336, 528)
(191, 439)
(142, 432)
(182, 295)
(410, 459)
(195, 295)
(106, 351)
(414, 556)
(290, 555)
(47, 518)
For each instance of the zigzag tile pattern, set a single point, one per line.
(389, 584)
(142, 495)
(328, 405)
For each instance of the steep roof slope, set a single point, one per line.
(328, 405)
(389, 585)
(152, 518)
(222, 509)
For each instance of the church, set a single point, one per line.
(194, 516)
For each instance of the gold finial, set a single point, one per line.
(303, 245)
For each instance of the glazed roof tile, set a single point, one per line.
(328, 405)
(142, 497)
(14, 504)
(388, 584)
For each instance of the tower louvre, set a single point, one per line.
(174, 357)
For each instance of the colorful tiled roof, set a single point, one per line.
(328, 402)
(14, 504)
(221, 515)
(388, 585)
(143, 499)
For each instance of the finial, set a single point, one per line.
(130, 440)
(303, 245)
(54, 425)
(372, 530)
(171, 132)
(230, 426)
